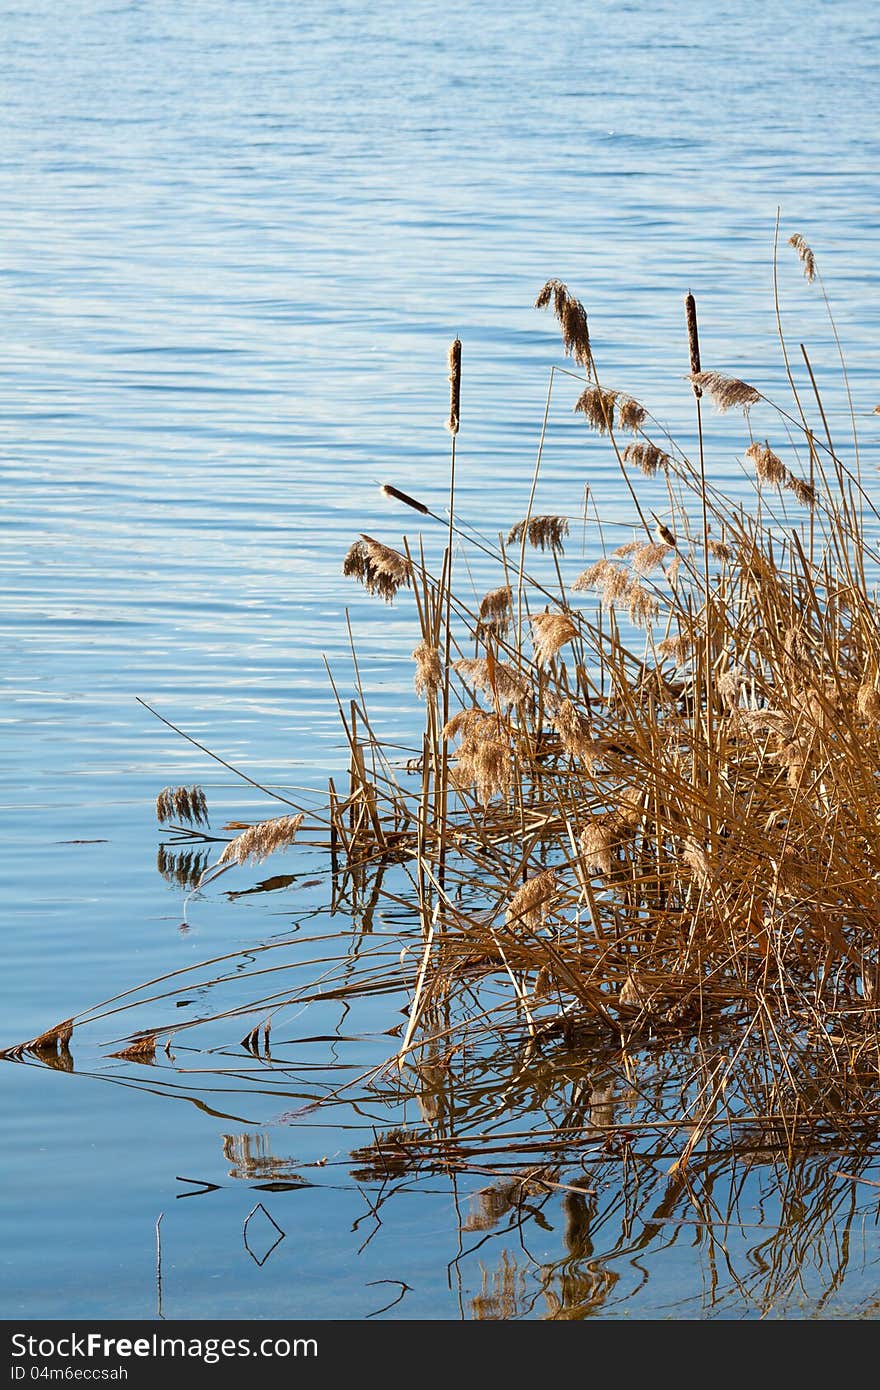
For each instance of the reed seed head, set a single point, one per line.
(550, 632)
(572, 319)
(868, 701)
(646, 457)
(542, 533)
(630, 414)
(259, 841)
(500, 682)
(598, 407)
(184, 803)
(429, 673)
(380, 569)
(530, 904)
(726, 391)
(805, 255)
(769, 468)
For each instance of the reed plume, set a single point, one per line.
(429, 673)
(186, 803)
(542, 532)
(530, 904)
(631, 415)
(647, 458)
(572, 319)
(500, 682)
(769, 468)
(495, 611)
(598, 407)
(726, 391)
(575, 732)
(380, 569)
(550, 632)
(805, 255)
(259, 841)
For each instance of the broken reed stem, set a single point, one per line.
(454, 420)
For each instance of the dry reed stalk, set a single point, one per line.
(531, 903)
(259, 841)
(647, 458)
(428, 677)
(805, 255)
(598, 407)
(572, 319)
(542, 532)
(454, 386)
(186, 803)
(726, 391)
(550, 632)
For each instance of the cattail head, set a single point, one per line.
(572, 321)
(186, 803)
(390, 491)
(690, 313)
(550, 631)
(542, 532)
(259, 841)
(726, 391)
(454, 385)
(805, 255)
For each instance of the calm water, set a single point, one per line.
(236, 243)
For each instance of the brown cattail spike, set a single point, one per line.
(390, 491)
(690, 311)
(454, 385)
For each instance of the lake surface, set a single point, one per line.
(237, 241)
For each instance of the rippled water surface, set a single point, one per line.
(237, 241)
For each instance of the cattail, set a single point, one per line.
(186, 803)
(390, 491)
(529, 905)
(690, 313)
(630, 414)
(868, 701)
(576, 734)
(572, 320)
(429, 674)
(769, 468)
(647, 458)
(598, 407)
(502, 683)
(726, 391)
(550, 631)
(542, 532)
(805, 255)
(454, 385)
(259, 841)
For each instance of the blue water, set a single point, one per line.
(237, 241)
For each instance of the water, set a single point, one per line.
(237, 241)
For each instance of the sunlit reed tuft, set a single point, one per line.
(542, 532)
(769, 467)
(259, 841)
(726, 391)
(550, 632)
(572, 321)
(805, 255)
(598, 407)
(646, 457)
(530, 904)
(500, 682)
(429, 673)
